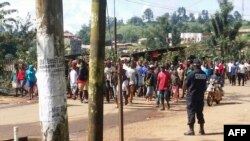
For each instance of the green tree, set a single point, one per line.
(4, 22)
(25, 38)
(225, 30)
(84, 34)
(176, 36)
(182, 15)
(130, 33)
(237, 16)
(166, 15)
(148, 15)
(174, 19)
(203, 17)
(157, 32)
(8, 45)
(194, 27)
(119, 37)
(191, 17)
(135, 21)
(19, 40)
(155, 37)
(119, 22)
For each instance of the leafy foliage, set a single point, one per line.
(148, 15)
(84, 34)
(226, 27)
(203, 17)
(136, 21)
(5, 22)
(130, 33)
(17, 37)
(176, 36)
(19, 41)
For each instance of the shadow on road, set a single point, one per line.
(178, 109)
(72, 105)
(214, 133)
(136, 108)
(237, 97)
(227, 103)
(142, 105)
(151, 139)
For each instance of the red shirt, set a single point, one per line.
(163, 80)
(221, 69)
(21, 74)
(184, 66)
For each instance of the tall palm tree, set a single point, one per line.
(225, 31)
(4, 21)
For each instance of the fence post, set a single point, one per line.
(15, 133)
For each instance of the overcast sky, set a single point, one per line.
(77, 12)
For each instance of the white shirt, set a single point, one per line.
(242, 68)
(229, 65)
(108, 72)
(202, 67)
(247, 66)
(131, 74)
(73, 76)
(124, 66)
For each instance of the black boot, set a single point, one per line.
(16, 92)
(202, 132)
(163, 105)
(190, 132)
(116, 102)
(81, 97)
(168, 104)
(85, 96)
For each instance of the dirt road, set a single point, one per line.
(143, 122)
(170, 125)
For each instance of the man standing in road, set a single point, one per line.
(73, 75)
(163, 82)
(132, 75)
(196, 86)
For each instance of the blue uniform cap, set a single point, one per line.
(197, 62)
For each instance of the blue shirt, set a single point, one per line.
(233, 70)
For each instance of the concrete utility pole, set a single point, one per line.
(96, 71)
(51, 70)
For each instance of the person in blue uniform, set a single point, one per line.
(196, 87)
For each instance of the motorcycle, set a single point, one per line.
(214, 92)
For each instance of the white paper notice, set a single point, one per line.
(51, 89)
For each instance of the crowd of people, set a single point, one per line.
(161, 83)
(151, 80)
(142, 79)
(23, 80)
(165, 81)
(78, 80)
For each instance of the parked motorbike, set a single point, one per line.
(214, 93)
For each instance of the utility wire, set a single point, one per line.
(149, 2)
(172, 8)
(194, 4)
(157, 6)
(141, 3)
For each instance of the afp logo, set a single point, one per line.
(237, 132)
